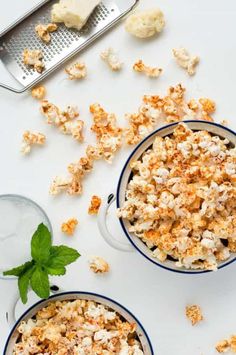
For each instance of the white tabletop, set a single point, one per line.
(157, 297)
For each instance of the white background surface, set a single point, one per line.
(156, 296)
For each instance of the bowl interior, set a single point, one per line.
(126, 174)
(66, 296)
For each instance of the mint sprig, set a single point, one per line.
(46, 260)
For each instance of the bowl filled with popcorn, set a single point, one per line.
(176, 198)
(78, 323)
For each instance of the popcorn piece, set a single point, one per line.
(142, 68)
(29, 139)
(144, 24)
(76, 71)
(34, 58)
(223, 346)
(69, 226)
(186, 61)
(109, 136)
(112, 59)
(83, 326)
(98, 265)
(224, 123)
(59, 185)
(179, 200)
(74, 128)
(43, 31)
(64, 120)
(38, 92)
(194, 314)
(95, 204)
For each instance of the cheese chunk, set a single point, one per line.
(73, 13)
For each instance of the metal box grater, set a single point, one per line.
(64, 44)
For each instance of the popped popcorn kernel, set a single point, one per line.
(43, 31)
(38, 92)
(194, 314)
(76, 71)
(207, 105)
(33, 58)
(98, 265)
(111, 58)
(108, 134)
(140, 67)
(69, 226)
(224, 123)
(185, 60)
(95, 204)
(64, 120)
(30, 139)
(59, 185)
(222, 346)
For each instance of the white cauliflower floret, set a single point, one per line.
(146, 23)
(185, 60)
(111, 58)
(76, 71)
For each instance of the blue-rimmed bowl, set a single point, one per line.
(73, 295)
(126, 173)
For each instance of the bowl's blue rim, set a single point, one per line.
(78, 293)
(118, 195)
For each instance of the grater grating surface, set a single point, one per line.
(65, 42)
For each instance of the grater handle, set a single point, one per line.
(12, 89)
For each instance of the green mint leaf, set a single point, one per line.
(23, 284)
(56, 271)
(40, 244)
(17, 271)
(39, 282)
(62, 256)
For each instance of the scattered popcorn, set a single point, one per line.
(227, 345)
(43, 31)
(194, 314)
(186, 61)
(69, 226)
(38, 92)
(34, 58)
(171, 108)
(144, 24)
(180, 199)
(140, 67)
(95, 204)
(76, 71)
(111, 58)
(64, 120)
(82, 326)
(109, 136)
(29, 139)
(98, 265)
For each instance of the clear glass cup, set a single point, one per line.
(19, 219)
